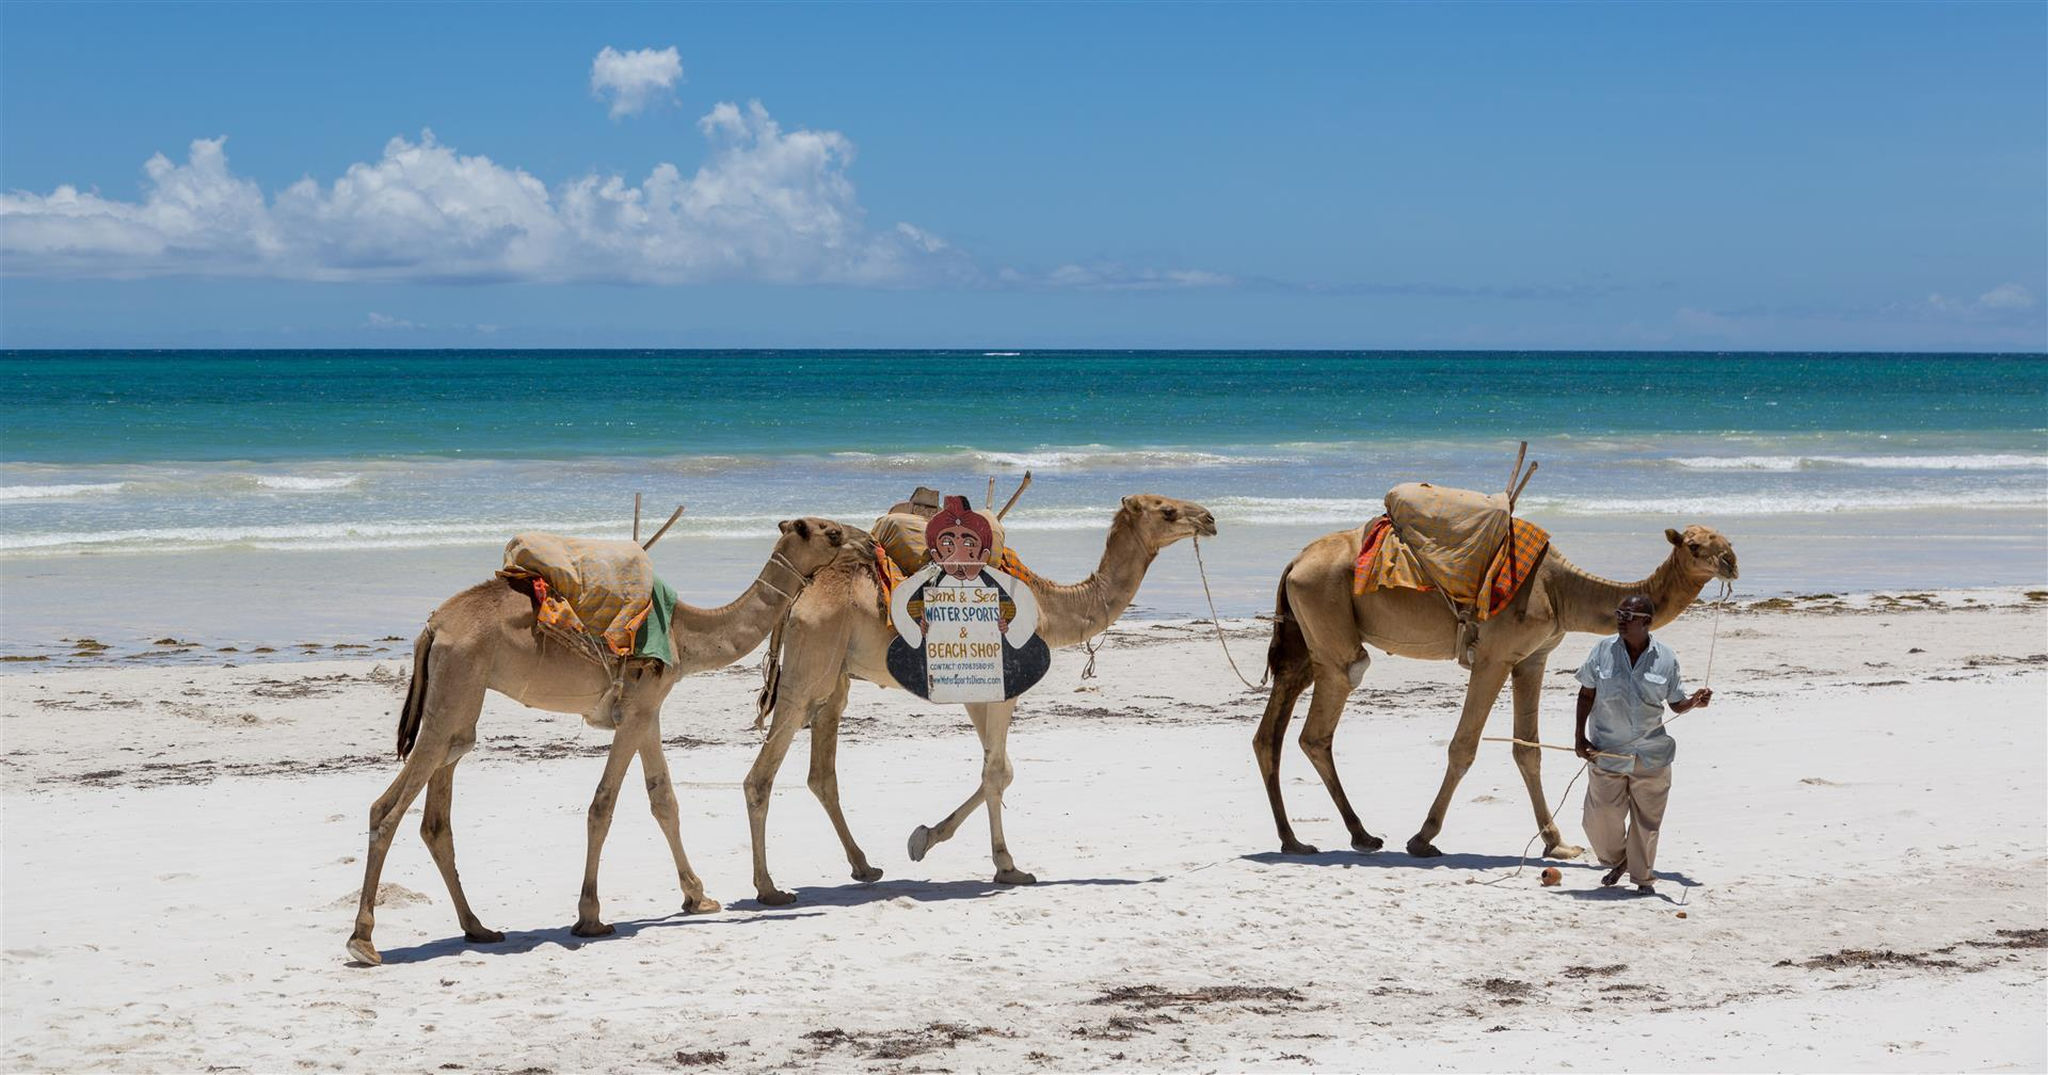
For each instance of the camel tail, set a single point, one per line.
(1287, 654)
(415, 695)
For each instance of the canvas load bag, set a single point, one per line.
(1454, 532)
(599, 590)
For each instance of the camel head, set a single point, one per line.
(810, 543)
(1703, 552)
(1159, 521)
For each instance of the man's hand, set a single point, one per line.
(1583, 748)
(1700, 697)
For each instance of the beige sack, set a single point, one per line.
(1455, 532)
(608, 584)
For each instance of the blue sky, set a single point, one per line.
(1817, 176)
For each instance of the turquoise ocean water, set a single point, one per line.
(121, 465)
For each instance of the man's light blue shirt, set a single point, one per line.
(1628, 704)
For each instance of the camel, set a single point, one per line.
(1321, 631)
(484, 639)
(836, 633)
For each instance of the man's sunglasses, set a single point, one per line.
(1625, 615)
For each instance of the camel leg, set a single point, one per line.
(992, 722)
(440, 837)
(1480, 692)
(625, 740)
(1266, 744)
(824, 780)
(448, 716)
(923, 837)
(385, 814)
(1528, 688)
(1333, 685)
(789, 711)
(661, 800)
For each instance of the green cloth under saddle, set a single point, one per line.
(653, 640)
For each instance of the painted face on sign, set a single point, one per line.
(958, 552)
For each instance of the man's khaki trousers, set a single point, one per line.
(1624, 812)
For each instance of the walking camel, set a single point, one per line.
(484, 639)
(836, 633)
(1321, 631)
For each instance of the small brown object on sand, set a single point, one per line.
(1681, 914)
(1552, 878)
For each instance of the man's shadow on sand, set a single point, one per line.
(519, 942)
(1481, 863)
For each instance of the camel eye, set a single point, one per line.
(1171, 514)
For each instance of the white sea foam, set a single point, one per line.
(1813, 503)
(1054, 458)
(2003, 461)
(299, 484)
(49, 492)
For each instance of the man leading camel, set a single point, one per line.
(1624, 685)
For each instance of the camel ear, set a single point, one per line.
(1674, 537)
(1127, 502)
(785, 526)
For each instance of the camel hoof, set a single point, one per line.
(867, 875)
(591, 929)
(1015, 877)
(481, 935)
(775, 897)
(1367, 844)
(1422, 848)
(1296, 847)
(1563, 851)
(360, 949)
(920, 842)
(702, 905)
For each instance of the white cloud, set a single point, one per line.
(767, 204)
(1114, 277)
(633, 80)
(386, 321)
(2005, 299)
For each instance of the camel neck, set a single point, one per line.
(1586, 602)
(708, 638)
(1072, 614)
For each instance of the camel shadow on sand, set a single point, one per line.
(857, 895)
(521, 941)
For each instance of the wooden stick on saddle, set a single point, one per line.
(636, 517)
(1021, 486)
(649, 543)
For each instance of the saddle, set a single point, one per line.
(1466, 545)
(594, 597)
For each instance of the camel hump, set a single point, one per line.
(603, 588)
(1456, 531)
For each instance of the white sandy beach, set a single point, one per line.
(1858, 839)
